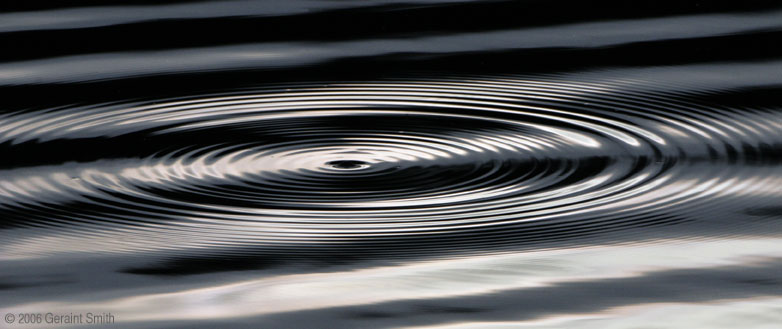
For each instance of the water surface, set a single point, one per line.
(378, 164)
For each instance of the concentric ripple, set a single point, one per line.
(404, 164)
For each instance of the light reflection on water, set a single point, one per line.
(599, 168)
(623, 282)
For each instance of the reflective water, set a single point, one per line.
(429, 164)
